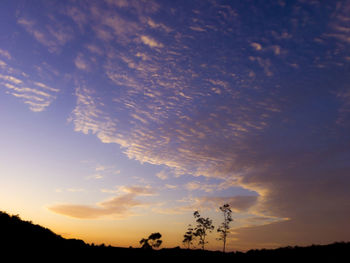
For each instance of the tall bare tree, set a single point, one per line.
(224, 228)
(203, 226)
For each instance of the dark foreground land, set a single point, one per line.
(22, 240)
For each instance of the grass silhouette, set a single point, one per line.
(19, 238)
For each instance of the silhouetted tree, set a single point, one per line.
(203, 226)
(144, 243)
(188, 237)
(224, 228)
(153, 241)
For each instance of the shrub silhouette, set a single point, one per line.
(153, 241)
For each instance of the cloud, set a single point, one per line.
(138, 190)
(162, 175)
(81, 63)
(160, 26)
(237, 203)
(78, 15)
(143, 56)
(276, 49)
(11, 79)
(44, 86)
(94, 49)
(119, 26)
(139, 7)
(196, 185)
(256, 46)
(256, 220)
(5, 53)
(38, 96)
(117, 207)
(2, 64)
(266, 65)
(150, 42)
(170, 186)
(339, 26)
(96, 176)
(198, 29)
(53, 35)
(80, 211)
(100, 168)
(111, 24)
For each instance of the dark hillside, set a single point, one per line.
(16, 232)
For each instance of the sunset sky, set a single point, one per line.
(120, 118)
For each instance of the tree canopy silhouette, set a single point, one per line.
(203, 226)
(153, 241)
(188, 237)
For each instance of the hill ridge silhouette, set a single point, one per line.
(36, 241)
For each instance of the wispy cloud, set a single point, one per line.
(81, 63)
(196, 185)
(256, 46)
(78, 15)
(151, 42)
(94, 49)
(264, 63)
(340, 23)
(5, 53)
(159, 26)
(38, 96)
(139, 7)
(117, 207)
(239, 204)
(198, 29)
(170, 186)
(96, 176)
(45, 87)
(162, 175)
(99, 171)
(53, 35)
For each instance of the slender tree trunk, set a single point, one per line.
(224, 237)
(203, 242)
(224, 244)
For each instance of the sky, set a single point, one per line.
(121, 118)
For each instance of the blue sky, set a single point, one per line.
(140, 112)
